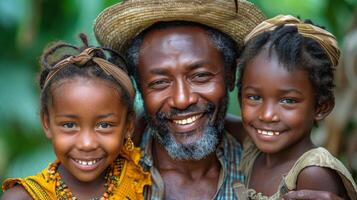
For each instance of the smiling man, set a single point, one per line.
(184, 78)
(184, 70)
(181, 76)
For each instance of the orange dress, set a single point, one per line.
(132, 181)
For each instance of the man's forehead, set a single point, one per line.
(189, 32)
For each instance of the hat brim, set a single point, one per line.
(117, 25)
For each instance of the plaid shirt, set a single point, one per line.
(228, 153)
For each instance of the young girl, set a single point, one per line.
(285, 88)
(87, 112)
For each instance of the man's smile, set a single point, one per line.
(187, 120)
(187, 123)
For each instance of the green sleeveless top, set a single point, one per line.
(315, 157)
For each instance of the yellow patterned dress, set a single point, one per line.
(314, 157)
(132, 181)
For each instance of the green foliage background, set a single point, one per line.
(26, 26)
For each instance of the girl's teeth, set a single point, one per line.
(270, 133)
(88, 163)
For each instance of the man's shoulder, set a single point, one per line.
(230, 142)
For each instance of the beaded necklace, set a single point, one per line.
(111, 181)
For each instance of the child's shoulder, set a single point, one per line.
(320, 178)
(317, 169)
(318, 158)
(16, 193)
(36, 186)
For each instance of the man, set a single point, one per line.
(184, 70)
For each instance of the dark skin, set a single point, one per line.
(279, 118)
(179, 67)
(85, 134)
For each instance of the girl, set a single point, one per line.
(87, 112)
(285, 88)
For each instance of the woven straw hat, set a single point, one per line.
(117, 25)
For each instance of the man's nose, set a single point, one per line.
(182, 95)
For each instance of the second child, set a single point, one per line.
(285, 89)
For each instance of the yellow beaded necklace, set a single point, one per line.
(111, 180)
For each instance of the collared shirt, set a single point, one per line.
(228, 153)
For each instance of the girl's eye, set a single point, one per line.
(288, 101)
(104, 125)
(254, 97)
(69, 125)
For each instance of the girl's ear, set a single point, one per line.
(324, 109)
(45, 121)
(130, 125)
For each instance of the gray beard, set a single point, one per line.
(193, 151)
(197, 150)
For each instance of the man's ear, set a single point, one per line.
(45, 121)
(231, 76)
(324, 109)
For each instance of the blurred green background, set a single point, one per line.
(26, 26)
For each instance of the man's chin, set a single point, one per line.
(187, 138)
(192, 146)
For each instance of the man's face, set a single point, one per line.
(182, 80)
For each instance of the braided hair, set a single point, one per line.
(294, 51)
(58, 51)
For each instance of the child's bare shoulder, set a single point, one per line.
(16, 193)
(320, 178)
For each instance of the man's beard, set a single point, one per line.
(197, 150)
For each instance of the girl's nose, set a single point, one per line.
(268, 113)
(87, 140)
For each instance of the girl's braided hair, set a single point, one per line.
(294, 51)
(58, 52)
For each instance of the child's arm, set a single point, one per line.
(310, 194)
(16, 193)
(322, 179)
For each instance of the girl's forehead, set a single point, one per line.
(266, 70)
(83, 90)
(82, 81)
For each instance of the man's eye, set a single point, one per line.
(288, 101)
(69, 125)
(159, 84)
(201, 77)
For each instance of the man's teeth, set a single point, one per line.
(87, 163)
(270, 133)
(187, 120)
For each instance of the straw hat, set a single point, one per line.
(117, 25)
